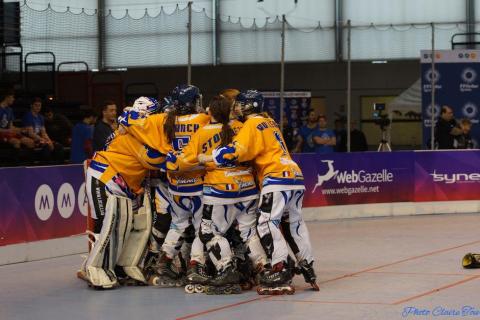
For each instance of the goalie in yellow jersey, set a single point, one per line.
(114, 187)
(282, 190)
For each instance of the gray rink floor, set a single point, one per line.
(367, 268)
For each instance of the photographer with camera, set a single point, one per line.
(446, 129)
(324, 138)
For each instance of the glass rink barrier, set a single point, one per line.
(401, 262)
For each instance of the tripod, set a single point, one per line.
(384, 146)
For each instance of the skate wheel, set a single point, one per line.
(153, 281)
(236, 289)
(199, 288)
(246, 286)
(315, 286)
(261, 291)
(290, 291)
(208, 290)
(190, 288)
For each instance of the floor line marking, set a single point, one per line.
(193, 315)
(425, 273)
(327, 302)
(435, 290)
(400, 261)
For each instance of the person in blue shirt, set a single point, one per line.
(82, 135)
(305, 141)
(323, 137)
(34, 126)
(8, 132)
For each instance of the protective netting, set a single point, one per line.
(249, 45)
(71, 37)
(159, 40)
(398, 42)
(159, 37)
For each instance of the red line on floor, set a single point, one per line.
(436, 290)
(400, 261)
(425, 273)
(193, 315)
(327, 302)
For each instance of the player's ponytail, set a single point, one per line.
(220, 108)
(169, 127)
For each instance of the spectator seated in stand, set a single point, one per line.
(58, 127)
(34, 126)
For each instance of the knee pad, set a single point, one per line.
(136, 243)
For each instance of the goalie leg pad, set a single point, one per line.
(109, 242)
(134, 249)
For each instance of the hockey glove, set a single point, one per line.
(224, 156)
(171, 161)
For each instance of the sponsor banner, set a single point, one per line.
(297, 104)
(355, 178)
(41, 203)
(457, 80)
(448, 175)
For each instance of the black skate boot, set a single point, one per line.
(225, 282)
(166, 275)
(197, 277)
(125, 280)
(306, 269)
(276, 281)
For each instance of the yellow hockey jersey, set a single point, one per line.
(151, 132)
(220, 185)
(129, 158)
(260, 140)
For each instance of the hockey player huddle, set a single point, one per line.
(206, 199)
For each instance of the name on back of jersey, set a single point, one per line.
(267, 124)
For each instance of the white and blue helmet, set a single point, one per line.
(146, 104)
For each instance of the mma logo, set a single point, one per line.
(82, 200)
(66, 200)
(44, 202)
